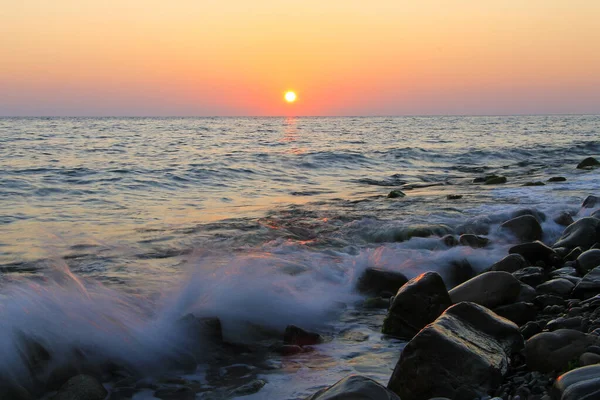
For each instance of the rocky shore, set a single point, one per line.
(526, 328)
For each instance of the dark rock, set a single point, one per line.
(417, 303)
(596, 214)
(535, 252)
(496, 180)
(590, 202)
(587, 261)
(459, 271)
(376, 302)
(248, 388)
(565, 323)
(519, 313)
(416, 231)
(579, 384)
(557, 179)
(553, 351)
(288, 349)
(546, 300)
(12, 391)
(490, 289)
(588, 163)
(564, 219)
(299, 337)
(589, 285)
(532, 276)
(564, 272)
(175, 393)
(355, 387)
(540, 216)
(583, 233)
(526, 228)
(527, 294)
(376, 281)
(573, 254)
(394, 194)
(536, 183)
(473, 241)
(81, 387)
(510, 263)
(482, 179)
(463, 354)
(589, 359)
(454, 196)
(450, 240)
(530, 329)
(559, 287)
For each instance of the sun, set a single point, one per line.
(290, 97)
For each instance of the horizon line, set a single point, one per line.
(306, 116)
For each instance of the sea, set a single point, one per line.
(114, 229)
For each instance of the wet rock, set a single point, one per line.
(299, 337)
(596, 214)
(588, 163)
(590, 202)
(589, 285)
(520, 313)
(535, 183)
(490, 289)
(81, 387)
(288, 350)
(557, 179)
(510, 263)
(587, 261)
(482, 179)
(450, 240)
(249, 388)
(526, 228)
(394, 194)
(355, 387)
(564, 272)
(454, 196)
(559, 287)
(589, 359)
(417, 303)
(463, 354)
(532, 276)
(417, 231)
(376, 302)
(535, 252)
(376, 281)
(579, 384)
(573, 254)
(553, 351)
(583, 233)
(564, 219)
(530, 329)
(546, 300)
(495, 180)
(12, 391)
(540, 216)
(459, 271)
(473, 241)
(565, 323)
(527, 294)
(175, 393)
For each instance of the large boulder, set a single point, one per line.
(560, 287)
(419, 302)
(536, 251)
(588, 163)
(553, 351)
(490, 289)
(462, 355)
(590, 201)
(81, 387)
(526, 228)
(378, 281)
(587, 261)
(578, 384)
(583, 233)
(355, 387)
(589, 286)
(510, 263)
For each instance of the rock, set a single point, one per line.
(519, 313)
(410, 232)
(532, 276)
(564, 272)
(530, 329)
(247, 389)
(299, 337)
(588, 163)
(536, 251)
(175, 393)
(510, 263)
(557, 179)
(596, 214)
(495, 180)
(418, 303)
(394, 194)
(450, 240)
(376, 302)
(564, 219)
(587, 261)
(565, 323)
(527, 294)
(526, 228)
(589, 285)
(288, 350)
(463, 354)
(559, 286)
(376, 281)
(454, 196)
(540, 216)
(355, 387)
(490, 289)
(473, 241)
(583, 233)
(579, 384)
(482, 179)
(553, 351)
(589, 359)
(536, 183)
(590, 202)
(81, 387)
(573, 254)
(12, 391)
(459, 271)
(546, 300)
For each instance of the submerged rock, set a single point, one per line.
(450, 240)
(553, 351)
(417, 303)
(355, 387)
(540, 216)
(473, 241)
(377, 281)
(564, 219)
(578, 384)
(454, 196)
(490, 289)
(81, 387)
(299, 337)
(510, 263)
(495, 180)
(536, 183)
(557, 179)
(394, 194)
(582, 233)
(587, 163)
(526, 228)
(462, 355)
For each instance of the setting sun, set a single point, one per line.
(290, 97)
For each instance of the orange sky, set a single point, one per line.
(350, 57)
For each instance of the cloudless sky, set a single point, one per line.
(342, 57)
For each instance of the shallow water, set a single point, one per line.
(112, 229)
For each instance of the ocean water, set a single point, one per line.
(112, 229)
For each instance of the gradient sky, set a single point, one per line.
(342, 57)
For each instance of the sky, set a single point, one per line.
(341, 57)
